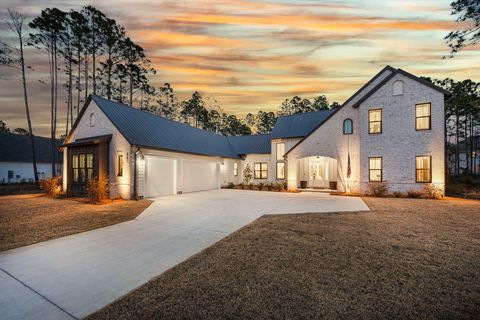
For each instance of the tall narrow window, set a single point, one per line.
(120, 165)
(375, 121)
(375, 169)
(280, 170)
(89, 166)
(423, 168)
(75, 168)
(260, 170)
(235, 169)
(280, 151)
(423, 116)
(347, 126)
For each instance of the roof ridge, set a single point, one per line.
(301, 113)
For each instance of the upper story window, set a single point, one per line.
(92, 119)
(280, 151)
(375, 121)
(398, 88)
(375, 169)
(423, 116)
(347, 126)
(235, 169)
(260, 170)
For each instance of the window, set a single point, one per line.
(280, 151)
(280, 170)
(375, 169)
(120, 165)
(423, 168)
(82, 167)
(260, 170)
(235, 169)
(92, 119)
(347, 126)
(423, 119)
(375, 121)
(398, 88)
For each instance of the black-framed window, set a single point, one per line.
(280, 175)
(280, 151)
(120, 165)
(82, 167)
(347, 126)
(375, 169)
(423, 169)
(423, 116)
(260, 170)
(235, 169)
(375, 121)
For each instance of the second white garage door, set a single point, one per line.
(200, 175)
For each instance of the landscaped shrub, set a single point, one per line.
(269, 186)
(250, 186)
(285, 185)
(414, 194)
(398, 194)
(247, 174)
(52, 186)
(432, 191)
(242, 185)
(377, 189)
(260, 186)
(280, 186)
(230, 185)
(97, 189)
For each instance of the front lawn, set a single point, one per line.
(27, 219)
(407, 258)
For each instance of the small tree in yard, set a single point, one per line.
(247, 174)
(97, 189)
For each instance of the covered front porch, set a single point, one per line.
(317, 173)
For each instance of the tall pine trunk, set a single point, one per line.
(85, 71)
(79, 77)
(27, 109)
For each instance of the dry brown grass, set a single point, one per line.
(407, 258)
(27, 219)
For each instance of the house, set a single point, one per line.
(16, 158)
(391, 130)
(468, 149)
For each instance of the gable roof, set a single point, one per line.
(17, 148)
(405, 73)
(144, 129)
(298, 125)
(392, 72)
(254, 144)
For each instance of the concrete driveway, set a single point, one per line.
(71, 277)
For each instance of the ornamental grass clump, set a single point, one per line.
(378, 189)
(97, 189)
(432, 191)
(52, 186)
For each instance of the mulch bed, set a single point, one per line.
(27, 219)
(407, 258)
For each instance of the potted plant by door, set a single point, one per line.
(333, 185)
(303, 184)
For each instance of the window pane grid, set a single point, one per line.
(423, 169)
(260, 170)
(375, 169)
(375, 121)
(423, 116)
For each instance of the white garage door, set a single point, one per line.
(200, 175)
(160, 177)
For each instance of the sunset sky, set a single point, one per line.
(251, 55)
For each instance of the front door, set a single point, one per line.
(82, 171)
(318, 173)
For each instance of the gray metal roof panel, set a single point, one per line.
(17, 148)
(254, 144)
(298, 125)
(149, 130)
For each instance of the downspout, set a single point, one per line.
(135, 191)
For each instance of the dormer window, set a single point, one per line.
(398, 88)
(92, 119)
(347, 126)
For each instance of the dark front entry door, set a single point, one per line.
(82, 171)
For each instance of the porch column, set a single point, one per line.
(292, 172)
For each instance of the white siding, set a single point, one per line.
(25, 171)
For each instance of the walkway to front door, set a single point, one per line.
(71, 277)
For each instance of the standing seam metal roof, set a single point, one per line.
(299, 125)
